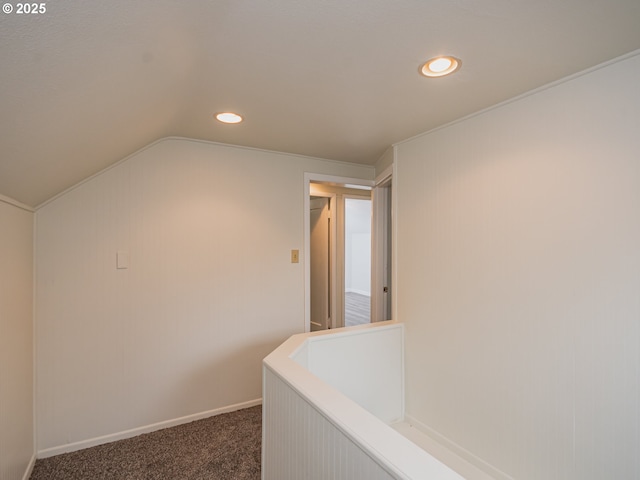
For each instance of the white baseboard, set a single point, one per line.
(92, 442)
(29, 469)
(461, 452)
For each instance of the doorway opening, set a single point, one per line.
(337, 277)
(333, 267)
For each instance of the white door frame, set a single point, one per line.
(380, 250)
(321, 178)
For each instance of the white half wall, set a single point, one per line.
(16, 341)
(328, 396)
(363, 363)
(519, 280)
(205, 233)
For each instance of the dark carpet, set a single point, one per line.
(225, 447)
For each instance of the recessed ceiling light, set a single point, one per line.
(228, 117)
(440, 66)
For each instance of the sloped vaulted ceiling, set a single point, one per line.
(88, 82)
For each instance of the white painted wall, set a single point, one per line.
(209, 291)
(359, 265)
(519, 280)
(16, 341)
(357, 239)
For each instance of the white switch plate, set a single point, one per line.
(122, 260)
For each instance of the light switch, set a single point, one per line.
(295, 256)
(122, 260)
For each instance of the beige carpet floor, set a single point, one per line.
(222, 447)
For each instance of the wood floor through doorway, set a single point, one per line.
(357, 309)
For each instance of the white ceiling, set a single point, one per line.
(89, 82)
